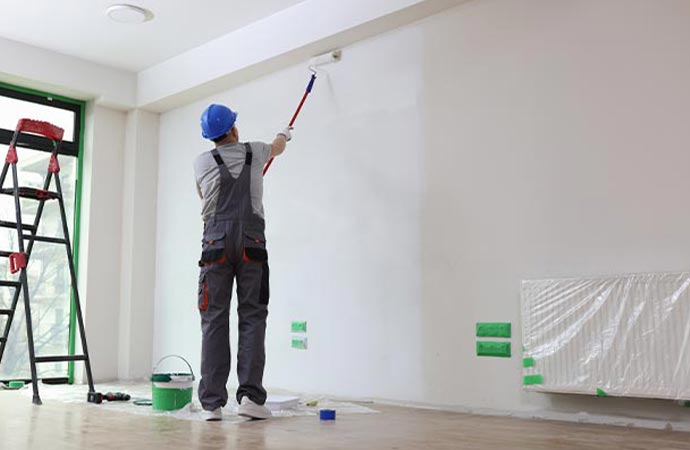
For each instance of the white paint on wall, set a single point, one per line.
(435, 168)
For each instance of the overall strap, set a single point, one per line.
(248, 157)
(218, 158)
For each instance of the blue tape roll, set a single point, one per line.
(327, 414)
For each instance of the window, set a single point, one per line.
(48, 272)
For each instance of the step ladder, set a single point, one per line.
(27, 233)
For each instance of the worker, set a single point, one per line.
(230, 184)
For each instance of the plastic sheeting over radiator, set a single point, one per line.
(623, 336)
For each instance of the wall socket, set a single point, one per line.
(490, 348)
(494, 329)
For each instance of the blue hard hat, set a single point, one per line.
(217, 120)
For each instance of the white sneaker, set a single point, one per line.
(250, 409)
(212, 416)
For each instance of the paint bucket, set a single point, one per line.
(171, 390)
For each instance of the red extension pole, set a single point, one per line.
(294, 116)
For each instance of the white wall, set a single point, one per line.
(432, 170)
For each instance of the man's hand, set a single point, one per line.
(287, 133)
(278, 144)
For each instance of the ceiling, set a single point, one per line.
(80, 27)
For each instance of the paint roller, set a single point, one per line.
(327, 58)
(317, 61)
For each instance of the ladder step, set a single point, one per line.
(6, 283)
(5, 312)
(55, 380)
(45, 239)
(32, 193)
(4, 254)
(47, 359)
(13, 225)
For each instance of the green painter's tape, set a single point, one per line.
(493, 329)
(299, 327)
(489, 348)
(530, 380)
(14, 87)
(527, 362)
(72, 343)
(601, 393)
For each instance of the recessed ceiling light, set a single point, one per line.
(129, 14)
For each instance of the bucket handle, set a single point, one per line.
(173, 356)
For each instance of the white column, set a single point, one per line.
(140, 183)
(101, 230)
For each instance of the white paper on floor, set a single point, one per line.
(280, 402)
(77, 394)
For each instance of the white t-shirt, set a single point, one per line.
(208, 176)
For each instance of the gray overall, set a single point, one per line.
(234, 247)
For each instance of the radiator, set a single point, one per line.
(626, 335)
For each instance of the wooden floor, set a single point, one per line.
(57, 426)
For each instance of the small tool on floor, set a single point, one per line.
(116, 397)
(98, 398)
(95, 397)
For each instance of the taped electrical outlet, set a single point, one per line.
(299, 327)
(299, 343)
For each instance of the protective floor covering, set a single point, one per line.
(77, 394)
